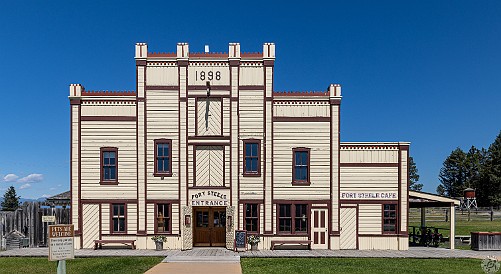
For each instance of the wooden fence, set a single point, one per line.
(27, 220)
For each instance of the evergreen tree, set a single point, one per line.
(453, 174)
(414, 176)
(10, 200)
(491, 176)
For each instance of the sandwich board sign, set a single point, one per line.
(61, 242)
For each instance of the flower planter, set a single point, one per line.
(159, 246)
(254, 247)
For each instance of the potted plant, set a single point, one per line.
(253, 240)
(159, 242)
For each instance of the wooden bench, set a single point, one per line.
(99, 243)
(291, 242)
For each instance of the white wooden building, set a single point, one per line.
(205, 146)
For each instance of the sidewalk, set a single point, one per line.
(413, 252)
(211, 264)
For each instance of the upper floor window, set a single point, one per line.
(109, 165)
(301, 166)
(118, 218)
(252, 157)
(163, 157)
(389, 218)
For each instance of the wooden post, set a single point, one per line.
(452, 236)
(423, 217)
(492, 213)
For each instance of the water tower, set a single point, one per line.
(468, 200)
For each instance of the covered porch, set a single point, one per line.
(423, 200)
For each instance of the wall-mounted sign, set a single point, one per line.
(61, 242)
(369, 195)
(49, 219)
(209, 197)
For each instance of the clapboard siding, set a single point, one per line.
(251, 111)
(251, 75)
(369, 219)
(226, 116)
(105, 222)
(301, 110)
(98, 134)
(313, 135)
(128, 109)
(161, 76)
(161, 120)
(131, 218)
(367, 155)
(369, 178)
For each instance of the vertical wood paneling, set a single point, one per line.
(209, 116)
(209, 166)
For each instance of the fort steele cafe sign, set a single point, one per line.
(369, 195)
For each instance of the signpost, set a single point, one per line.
(61, 245)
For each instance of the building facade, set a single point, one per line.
(205, 146)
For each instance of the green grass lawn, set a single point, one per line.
(79, 265)
(358, 265)
(463, 227)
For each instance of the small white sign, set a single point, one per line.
(369, 195)
(61, 242)
(49, 219)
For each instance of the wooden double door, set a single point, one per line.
(210, 226)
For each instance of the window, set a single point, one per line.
(293, 218)
(251, 219)
(163, 157)
(389, 219)
(301, 166)
(163, 218)
(109, 165)
(118, 218)
(252, 157)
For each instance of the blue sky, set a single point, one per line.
(427, 72)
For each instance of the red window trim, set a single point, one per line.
(300, 182)
(169, 205)
(111, 219)
(156, 173)
(383, 218)
(251, 173)
(258, 219)
(102, 181)
(293, 219)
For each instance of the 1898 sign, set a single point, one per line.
(209, 75)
